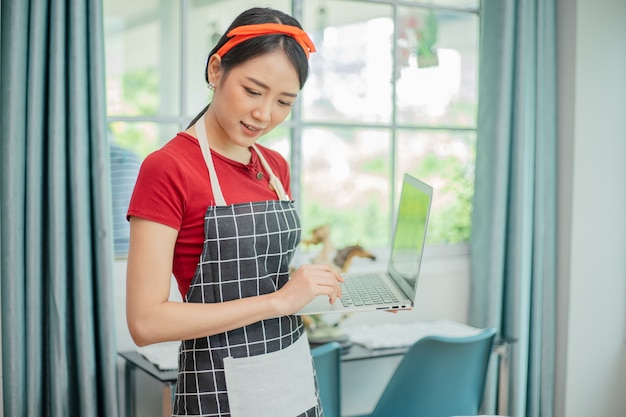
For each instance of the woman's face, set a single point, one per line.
(251, 99)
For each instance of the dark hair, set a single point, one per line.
(260, 45)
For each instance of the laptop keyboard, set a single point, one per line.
(365, 289)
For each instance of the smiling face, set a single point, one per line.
(249, 101)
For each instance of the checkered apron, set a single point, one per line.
(247, 250)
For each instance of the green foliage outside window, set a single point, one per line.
(368, 225)
(365, 224)
(450, 223)
(140, 89)
(139, 98)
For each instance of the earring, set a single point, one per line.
(211, 86)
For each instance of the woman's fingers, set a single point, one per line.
(309, 281)
(333, 279)
(323, 281)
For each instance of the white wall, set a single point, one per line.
(592, 197)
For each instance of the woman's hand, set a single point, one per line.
(306, 283)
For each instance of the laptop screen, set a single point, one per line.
(410, 233)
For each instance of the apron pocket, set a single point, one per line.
(276, 384)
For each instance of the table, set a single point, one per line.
(135, 362)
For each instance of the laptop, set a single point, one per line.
(396, 287)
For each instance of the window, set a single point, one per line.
(392, 89)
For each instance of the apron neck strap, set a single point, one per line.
(274, 181)
(215, 185)
(206, 153)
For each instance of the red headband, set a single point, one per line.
(243, 33)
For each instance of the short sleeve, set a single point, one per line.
(160, 192)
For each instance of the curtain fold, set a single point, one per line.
(513, 243)
(58, 336)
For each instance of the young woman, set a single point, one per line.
(213, 208)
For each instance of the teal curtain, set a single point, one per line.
(58, 339)
(513, 242)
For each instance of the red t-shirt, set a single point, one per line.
(173, 188)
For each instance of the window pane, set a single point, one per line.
(345, 184)
(436, 67)
(445, 160)
(350, 79)
(463, 4)
(142, 137)
(206, 21)
(142, 57)
(355, 81)
(278, 140)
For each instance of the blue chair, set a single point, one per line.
(327, 361)
(439, 377)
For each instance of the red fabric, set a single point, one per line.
(243, 33)
(173, 188)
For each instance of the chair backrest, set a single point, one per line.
(327, 360)
(439, 377)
